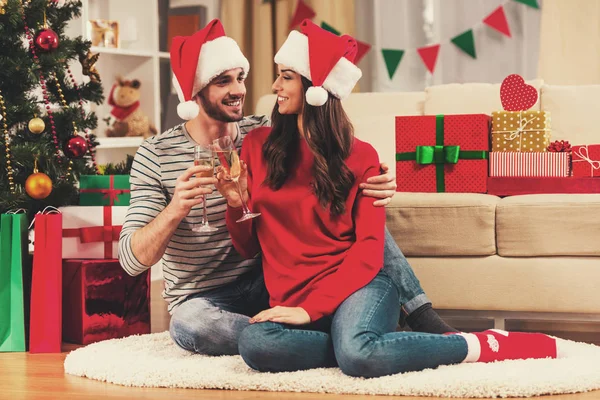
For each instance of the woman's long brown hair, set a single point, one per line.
(329, 134)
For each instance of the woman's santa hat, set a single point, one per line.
(323, 58)
(198, 59)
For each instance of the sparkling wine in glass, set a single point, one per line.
(230, 161)
(203, 155)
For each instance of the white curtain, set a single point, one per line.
(409, 24)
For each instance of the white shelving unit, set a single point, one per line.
(137, 57)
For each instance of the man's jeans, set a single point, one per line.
(362, 340)
(211, 322)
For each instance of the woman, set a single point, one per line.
(322, 242)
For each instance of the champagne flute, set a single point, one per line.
(230, 161)
(203, 156)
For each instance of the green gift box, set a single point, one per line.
(104, 190)
(13, 259)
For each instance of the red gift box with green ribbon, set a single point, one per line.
(442, 153)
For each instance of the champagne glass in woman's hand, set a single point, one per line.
(231, 169)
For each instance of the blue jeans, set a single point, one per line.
(362, 340)
(211, 322)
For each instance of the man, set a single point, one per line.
(210, 289)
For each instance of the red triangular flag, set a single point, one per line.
(361, 51)
(302, 12)
(429, 56)
(497, 20)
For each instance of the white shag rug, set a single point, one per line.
(155, 361)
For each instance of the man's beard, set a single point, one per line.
(216, 113)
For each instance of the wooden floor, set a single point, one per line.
(41, 376)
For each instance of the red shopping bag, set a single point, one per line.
(45, 333)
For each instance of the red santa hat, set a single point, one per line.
(198, 59)
(322, 57)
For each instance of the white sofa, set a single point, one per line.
(533, 256)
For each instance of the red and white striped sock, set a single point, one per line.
(496, 345)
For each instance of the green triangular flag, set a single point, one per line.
(466, 43)
(392, 60)
(330, 28)
(530, 3)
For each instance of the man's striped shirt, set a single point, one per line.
(193, 262)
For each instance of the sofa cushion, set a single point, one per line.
(443, 224)
(575, 112)
(549, 225)
(542, 284)
(467, 98)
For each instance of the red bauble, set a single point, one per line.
(47, 40)
(75, 147)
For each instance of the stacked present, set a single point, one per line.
(522, 159)
(100, 300)
(520, 136)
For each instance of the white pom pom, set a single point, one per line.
(188, 110)
(316, 96)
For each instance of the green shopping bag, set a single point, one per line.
(13, 254)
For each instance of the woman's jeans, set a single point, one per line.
(361, 340)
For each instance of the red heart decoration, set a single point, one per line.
(516, 95)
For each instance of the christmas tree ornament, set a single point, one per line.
(47, 40)
(88, 66)
(2, 5)
(9, 170)
(36, 126)
(38, 185)
(75, 147)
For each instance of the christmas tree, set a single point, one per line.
(45, 123)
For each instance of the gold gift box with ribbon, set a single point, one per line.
(523, 131)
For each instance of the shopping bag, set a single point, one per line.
(45, 324)
(13, 256)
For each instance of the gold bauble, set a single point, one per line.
(38, 185)
(36, 126)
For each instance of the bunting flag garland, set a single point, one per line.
(303, 11)
(363, 48)
(497, 20)
(429, 56)
(392, 59)
(530, 3)
(466, 42)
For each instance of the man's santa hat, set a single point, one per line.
(198, 59)
(322, 57)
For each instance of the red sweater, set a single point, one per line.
(310, 259)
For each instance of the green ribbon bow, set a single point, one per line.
(440, 155)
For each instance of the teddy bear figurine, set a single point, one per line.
(127, 119)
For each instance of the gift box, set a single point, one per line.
(442, 153)
(104, 190)
(101, 301)
(526, 131)
(91, 232)
(529, 164)
(514, 186)
(586, 160)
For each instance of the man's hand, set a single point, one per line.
(380, 187)
(188, 191)
(283, 315)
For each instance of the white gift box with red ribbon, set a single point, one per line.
(91, 232)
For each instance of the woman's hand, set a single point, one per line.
(381, 187)
(283, 315)
(229, 188)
